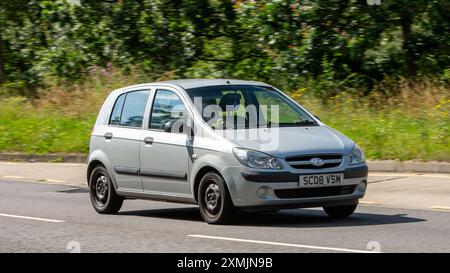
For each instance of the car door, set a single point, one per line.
(122, 138)
(164, 155)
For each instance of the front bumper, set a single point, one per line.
(280, 189)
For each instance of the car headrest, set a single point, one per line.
(209, 101)
(229, 99)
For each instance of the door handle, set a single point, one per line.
(148, 140)
(108, 135)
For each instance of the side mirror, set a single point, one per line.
(179, 126)
(317, 117)
(168, 126)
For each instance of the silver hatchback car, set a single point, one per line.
(226, 145)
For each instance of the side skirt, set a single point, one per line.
(158, 196)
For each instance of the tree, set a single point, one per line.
(333, 43)
(2, 62)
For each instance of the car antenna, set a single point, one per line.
(228, 81)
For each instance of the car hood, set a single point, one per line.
(289, 141)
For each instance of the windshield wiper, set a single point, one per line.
(302, 122)
(305, 122)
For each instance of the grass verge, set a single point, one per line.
(412, 124)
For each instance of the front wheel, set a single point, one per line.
(103, 195)
(214, 200)
(340, 211)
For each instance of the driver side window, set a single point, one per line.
(167, 109)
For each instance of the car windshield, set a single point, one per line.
(247, 106)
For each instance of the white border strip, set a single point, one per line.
(280, 244)
(31, 218)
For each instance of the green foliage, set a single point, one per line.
(323, 48)
(414, 124)
(403, 127)
(337, 43)
(383, 134)
(393, 134)
(24, 128)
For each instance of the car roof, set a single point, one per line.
(194, 83)
(187, 84)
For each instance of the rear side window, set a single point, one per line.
(117, 110)
(133, 109)
(129, 109)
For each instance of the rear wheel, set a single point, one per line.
(214, 200)
(103, 195)
(340, 211)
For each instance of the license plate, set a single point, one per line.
(321, 180)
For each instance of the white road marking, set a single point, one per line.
(13, 177)
(395, 174)
(31, 218)
(440, 207)
(280, 244)
(54, 181)
(368, 202)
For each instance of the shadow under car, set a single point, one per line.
(296, 218)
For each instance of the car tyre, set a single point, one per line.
(103, 195)
(340, 211)
(214, 200)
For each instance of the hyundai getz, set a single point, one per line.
(226, 145)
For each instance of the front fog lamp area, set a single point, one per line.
(362, 186)
(356, 156)
(255, 159)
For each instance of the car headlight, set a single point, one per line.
(255, 159)
(356, 156)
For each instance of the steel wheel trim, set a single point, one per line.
(100, 190)
(212, 199)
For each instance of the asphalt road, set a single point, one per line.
(38, 217)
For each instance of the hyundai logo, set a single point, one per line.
(315, 161)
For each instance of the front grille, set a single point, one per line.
(303, 162)
(315, 192)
